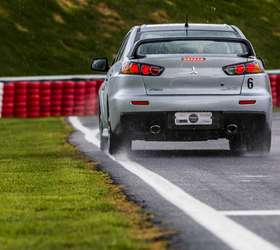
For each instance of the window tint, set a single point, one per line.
(192, 47)
(183, 33)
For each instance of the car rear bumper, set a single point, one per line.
(138, 126)
(121, 105)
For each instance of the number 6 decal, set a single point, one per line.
(250, 83)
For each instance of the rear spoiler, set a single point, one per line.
(251, 52)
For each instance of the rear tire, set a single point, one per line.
(113, 144)
(103, 140)
(259, 140)
(237, 145)
(118, 143)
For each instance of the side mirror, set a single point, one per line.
(100, 64)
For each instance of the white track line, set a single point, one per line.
(251, 213)
(233, 234)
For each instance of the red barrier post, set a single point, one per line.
(20, 100)
(273, 82)
(67, 103)
(56, 98)
(277, 90)
(8, 99)
(45, 98)
(33, 99)
(91, 98)
(79, 98)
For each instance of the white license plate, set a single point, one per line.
(193, 118)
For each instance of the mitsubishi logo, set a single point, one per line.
(193, 72)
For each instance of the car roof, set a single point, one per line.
(191, 26)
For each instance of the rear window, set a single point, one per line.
(191, 33)
(192, 47)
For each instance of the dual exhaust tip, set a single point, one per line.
(231, 129)
(155, 129)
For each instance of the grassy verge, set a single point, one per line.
(276, 109)
(51, 198)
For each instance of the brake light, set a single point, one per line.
(193, 59)
(239, 69)
(132, 68)
(145, 69)
(243, 68)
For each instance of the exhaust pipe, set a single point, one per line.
(155, 129)
(231, 129)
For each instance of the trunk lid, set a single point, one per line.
(183, 77)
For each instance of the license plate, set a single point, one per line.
(193, 118)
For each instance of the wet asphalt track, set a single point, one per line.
(247, 188)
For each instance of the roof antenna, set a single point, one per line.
(187, 24)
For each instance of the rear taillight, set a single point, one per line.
(132, 68)
(243, 68)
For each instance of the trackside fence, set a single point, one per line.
(77, 95)
(49, 96)
(274, 76)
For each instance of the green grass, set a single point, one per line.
(61, 36)
(50, 198)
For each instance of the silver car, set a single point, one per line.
(185, 82)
